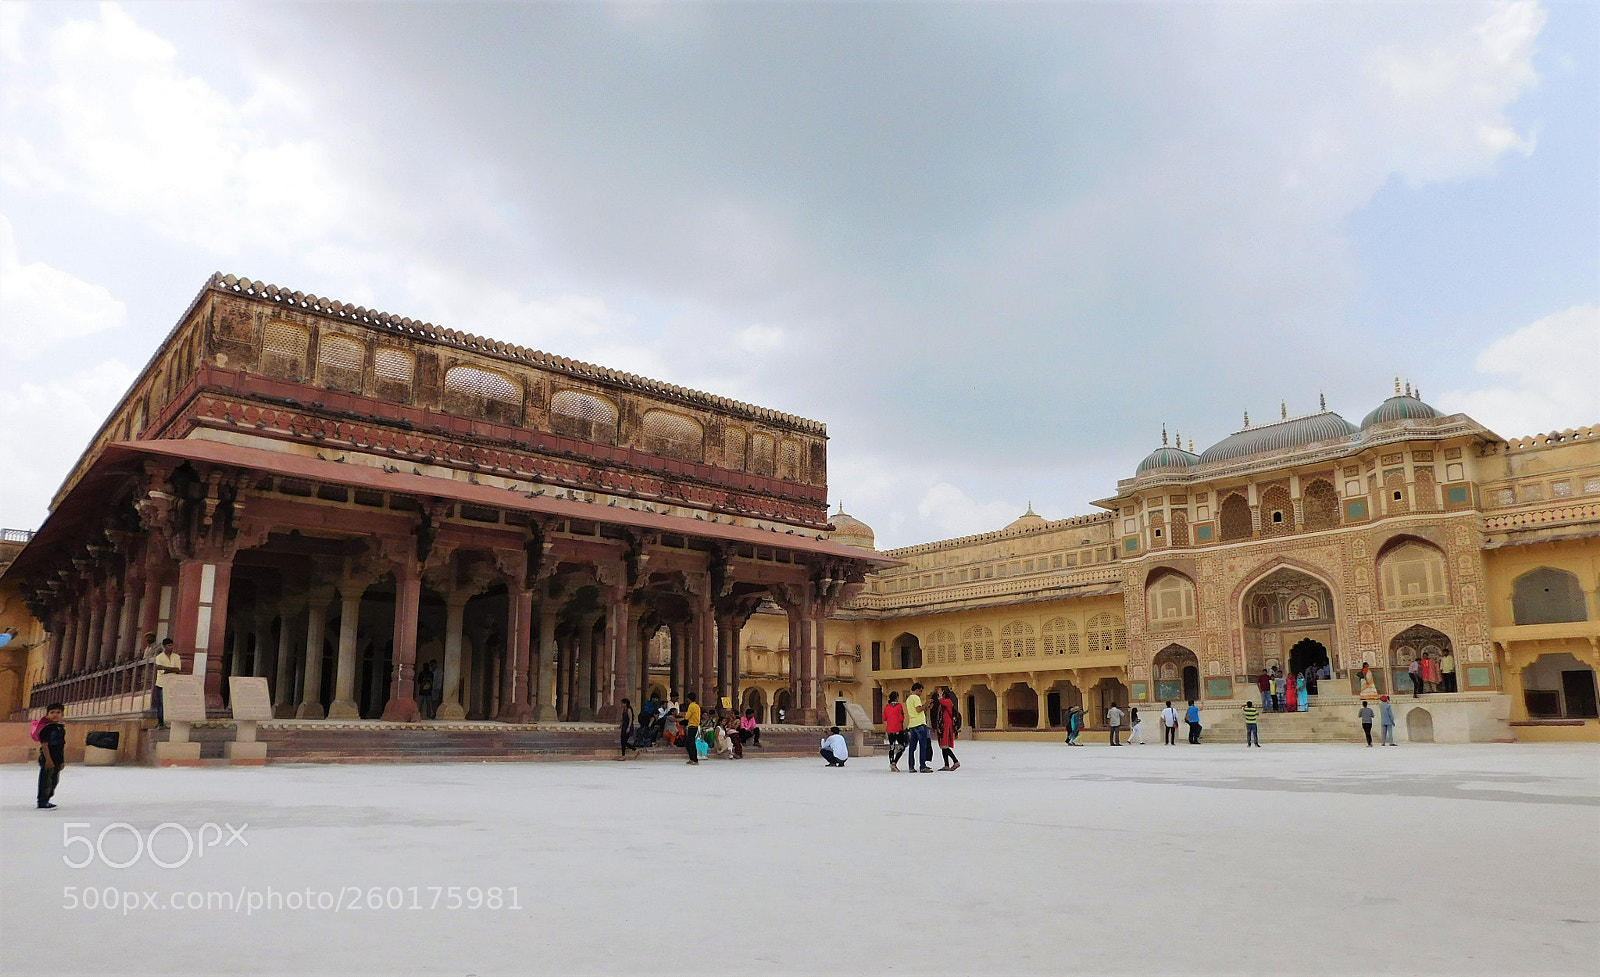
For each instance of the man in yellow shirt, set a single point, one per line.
(917, 733)
(691, 732)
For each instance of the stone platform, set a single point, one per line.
(370, 741)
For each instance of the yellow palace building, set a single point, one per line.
(1306, 540)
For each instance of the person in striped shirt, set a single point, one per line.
(1252, 734)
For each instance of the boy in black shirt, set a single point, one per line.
(52, 753)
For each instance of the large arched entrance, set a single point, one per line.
(905, 651)
(1413, 644)
(752, 700)
(780, 706)
(1288, 611)
(983, 710)
(1177, 673)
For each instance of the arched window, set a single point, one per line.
(1170, 599)
(584, 415)
(977, 644)
(1105, 632)
(942, 646)
(1061, 636)
(789, 459)
(1016, 641)
(1235, 517)
(1277, 512)
(339, 361)
(1412, 574)
(1548, 596)
(763, 452)
(482, 393)
(283, 350)
(733, 441)
(1321, 505)
(673, 434)
(392, 365)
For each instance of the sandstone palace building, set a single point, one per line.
(327, 496)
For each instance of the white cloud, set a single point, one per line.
(952, 512)
(43, 429)
(41, 306)
(109, 117)
(1548, 371)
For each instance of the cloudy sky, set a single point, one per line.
(993, 246)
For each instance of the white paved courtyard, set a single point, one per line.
(1032, 859)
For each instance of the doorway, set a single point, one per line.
(1306, 653)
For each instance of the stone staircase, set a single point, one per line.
(328, 741)
(1331, 719)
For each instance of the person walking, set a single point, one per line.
(52, 753)
(1192, 717)
(1301, 702)
(917, 733)
(894, 726)
(1264, 685)
(1415, 671)
(691, 729)
(1252, 731)
(1135, 727)
(625, 728)
(1114, 720)
(1169, 725)
(1365, 716)
(949, 725)
(1386, 721)
(1074, 725)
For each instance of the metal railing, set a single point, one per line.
(127, 678)
(15, 535)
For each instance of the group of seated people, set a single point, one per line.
(724, 733)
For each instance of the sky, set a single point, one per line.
(994, 247)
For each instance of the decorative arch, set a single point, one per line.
(1320, 503)
(1169, 597)
(1060, 636)
(1269, 567)
(905, 651)
(1547, 595)
(674, 435)
(942, 647)
(977, 644)
(1017, 641)
(1176, 671)
(1106, 632)
(477, 392)
(1412, 573)
(584, 415)
(1233, 518)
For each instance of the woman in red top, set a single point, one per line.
(947, 731)
(894, 723)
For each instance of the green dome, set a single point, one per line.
(1402, 407)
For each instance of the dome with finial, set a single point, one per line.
(1403, 406)
(1028, 520)
(851, 531)
(1167, 458)
(1281, 435)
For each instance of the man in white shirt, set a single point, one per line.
(167, 664)
(1114, 720)
(834, 749)
(1169, 725)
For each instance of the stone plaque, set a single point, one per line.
(183, 699)
(248, 697)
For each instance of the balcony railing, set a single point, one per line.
(129, 678)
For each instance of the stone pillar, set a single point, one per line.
(675, 682)
(96, 633)
(283, 681)
(706, 666)
(344, 676)
(816, 674)
(455, 617)
(607, 680)
(128, 642)
(1041, 695)
(402, 705)
(548, 652)
(514, 706)
(316, 632)
(200, 621)
(258, 661)
(588, 648)
(52, 661)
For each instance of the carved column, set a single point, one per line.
(548, 652)
(402, 704)
(706, 665)
(316, 633)
(514, 706)
(127, 638)
(607, 678)
(201, 619)
(344, 675)
(258, 659)
(455, 618)
(238, 664)
(588, 646)
(675, 682)
(96, 633)
(52, 662)
(283, 681)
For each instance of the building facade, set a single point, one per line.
(1309, 540)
